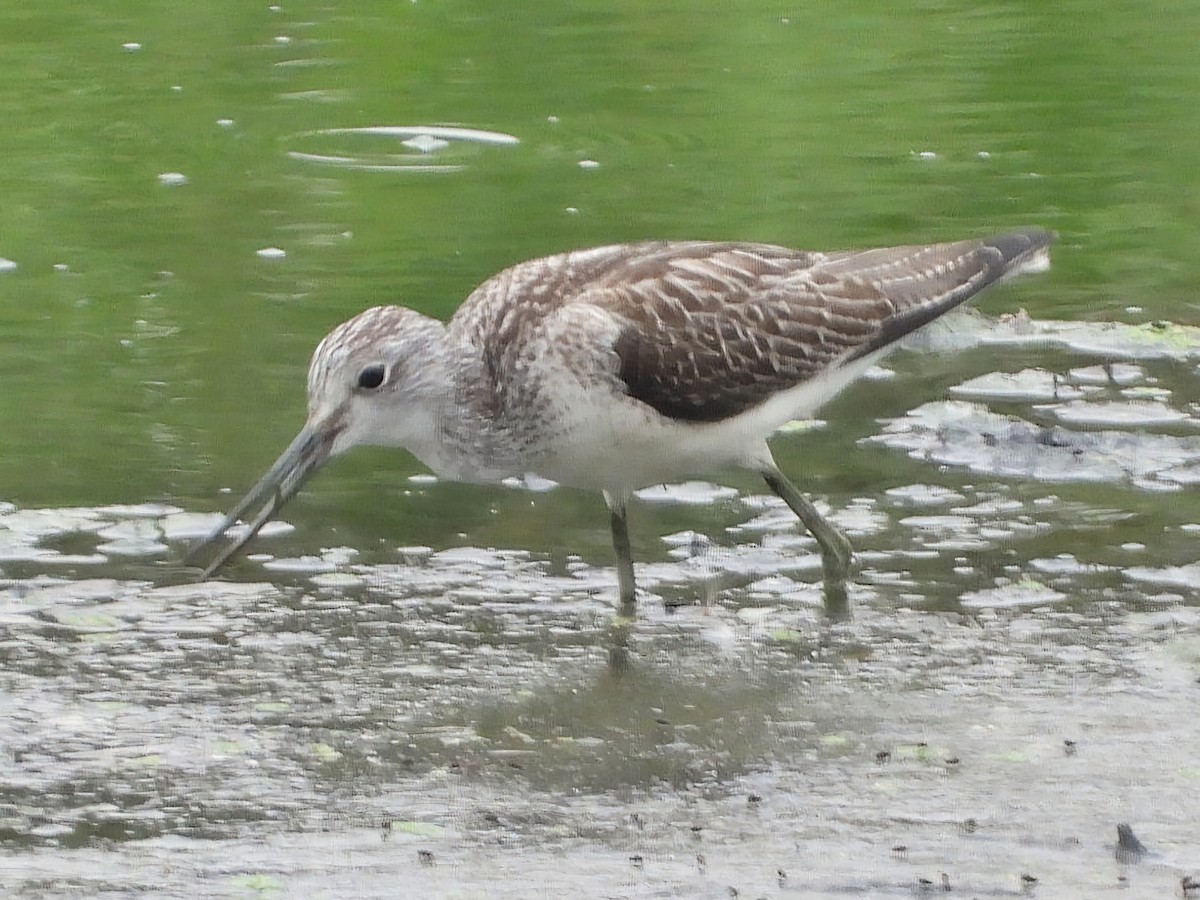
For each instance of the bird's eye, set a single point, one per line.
(372, 376)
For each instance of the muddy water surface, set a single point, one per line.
(1019, 677)
(405, 689)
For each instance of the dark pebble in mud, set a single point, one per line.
(1129, 848)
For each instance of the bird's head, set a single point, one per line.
(364, 382)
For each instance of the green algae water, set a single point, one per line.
(405, 688)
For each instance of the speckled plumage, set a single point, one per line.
(622, 366)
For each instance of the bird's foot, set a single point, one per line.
(838, 564)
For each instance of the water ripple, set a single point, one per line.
(418, 148)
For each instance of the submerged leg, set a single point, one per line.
(836, 553)
(620, 538)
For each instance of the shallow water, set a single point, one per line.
(1014, 684)
(405, 688)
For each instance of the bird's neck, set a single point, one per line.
(457, 429)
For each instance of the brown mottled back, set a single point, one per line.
(710, 330)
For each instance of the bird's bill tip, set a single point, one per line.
(306, 453)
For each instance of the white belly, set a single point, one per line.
(614, 443)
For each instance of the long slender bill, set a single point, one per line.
(307, 453)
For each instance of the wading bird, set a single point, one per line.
(620, 367)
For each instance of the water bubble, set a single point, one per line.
(924, 495)
(1116, 413)
(1171, 576)
(1115, 373)
(301, 565)
(530, 482)
(1028, 384)
(425, 143)
(1012, 595)
(689, 492)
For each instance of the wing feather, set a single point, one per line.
(709, 330)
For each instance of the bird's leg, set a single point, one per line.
(836, 553)
(620, 538)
